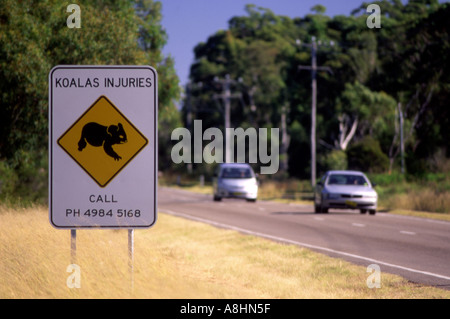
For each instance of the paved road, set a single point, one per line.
(415, 248)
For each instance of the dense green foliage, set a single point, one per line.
(34, 37)
(375, 74)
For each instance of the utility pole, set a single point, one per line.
(226, 97)
(190, 110)
(285, 139)
(314, 68)
(402, 144)
(189, 116)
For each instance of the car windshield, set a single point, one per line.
(235, 172)
(347, 179)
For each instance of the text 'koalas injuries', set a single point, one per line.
(108, 82)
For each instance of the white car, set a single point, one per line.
(235, 180)
(345, 189)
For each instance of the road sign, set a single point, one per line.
(91, 141)
(102, 146)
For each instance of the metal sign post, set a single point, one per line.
(131, 256)
(73, 246)
(103, 149)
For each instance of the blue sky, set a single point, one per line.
(189, 22)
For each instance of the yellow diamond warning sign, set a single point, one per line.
(102, 141)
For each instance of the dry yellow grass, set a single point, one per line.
(176, 258)
(427, 200)
(406, 212)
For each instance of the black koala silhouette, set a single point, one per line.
(98, 135)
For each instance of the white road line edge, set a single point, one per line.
(280, 239)
(407, 232)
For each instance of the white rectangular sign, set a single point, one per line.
(103, 146)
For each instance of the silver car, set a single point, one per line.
(234, 180)
(345, 189)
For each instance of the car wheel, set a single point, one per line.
(317, 208)
(217, 198)
(251, 200)
(372, 212)
(363, 211)
(320, 209)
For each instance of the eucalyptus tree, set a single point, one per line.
(34, 38)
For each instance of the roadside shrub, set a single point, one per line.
(8, 180)
(32, 172)
(24, 177)
(367, 156)
(336, 160)
(415, 166)
(395, 178)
